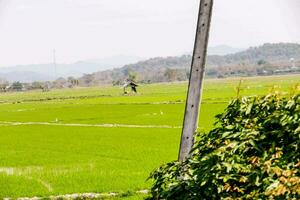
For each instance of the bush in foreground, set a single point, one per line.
(253, 153)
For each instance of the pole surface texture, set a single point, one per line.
(197, 72)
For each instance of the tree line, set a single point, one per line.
(268, 59)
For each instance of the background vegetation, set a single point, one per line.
(253, 153)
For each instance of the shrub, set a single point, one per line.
(253, 153)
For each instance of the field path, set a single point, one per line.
(5, 123)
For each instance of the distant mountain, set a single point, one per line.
(222, 50)
(24, 76)
(115, 61)
(155, 69)
(46, 72)
(162, 68)
(267, 52)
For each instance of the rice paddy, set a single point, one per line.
(98, 140)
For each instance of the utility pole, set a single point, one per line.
(197, 72)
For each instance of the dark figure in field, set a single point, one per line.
(131, 84)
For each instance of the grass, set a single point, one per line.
(53, 159)
(81, 159)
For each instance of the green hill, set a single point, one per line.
(266, 59)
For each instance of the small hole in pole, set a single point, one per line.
(203, 24)
(206, 4)
(187, 138)
(192, 106)
(199, 57)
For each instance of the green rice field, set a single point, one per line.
(98, 140)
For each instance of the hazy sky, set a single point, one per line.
(84, 29)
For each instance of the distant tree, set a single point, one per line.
(3, 85)
(36, 85)
(60, 83)
(187, 74)
(17, 86)
(261, 62)
(87, 79)
(72, 82)
(145, 81)
(220, 76)
(117, 82)
(46, 86)
(171, 74)
(132, 76)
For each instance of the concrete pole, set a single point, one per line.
(197, 72)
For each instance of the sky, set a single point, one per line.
(89, 29)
